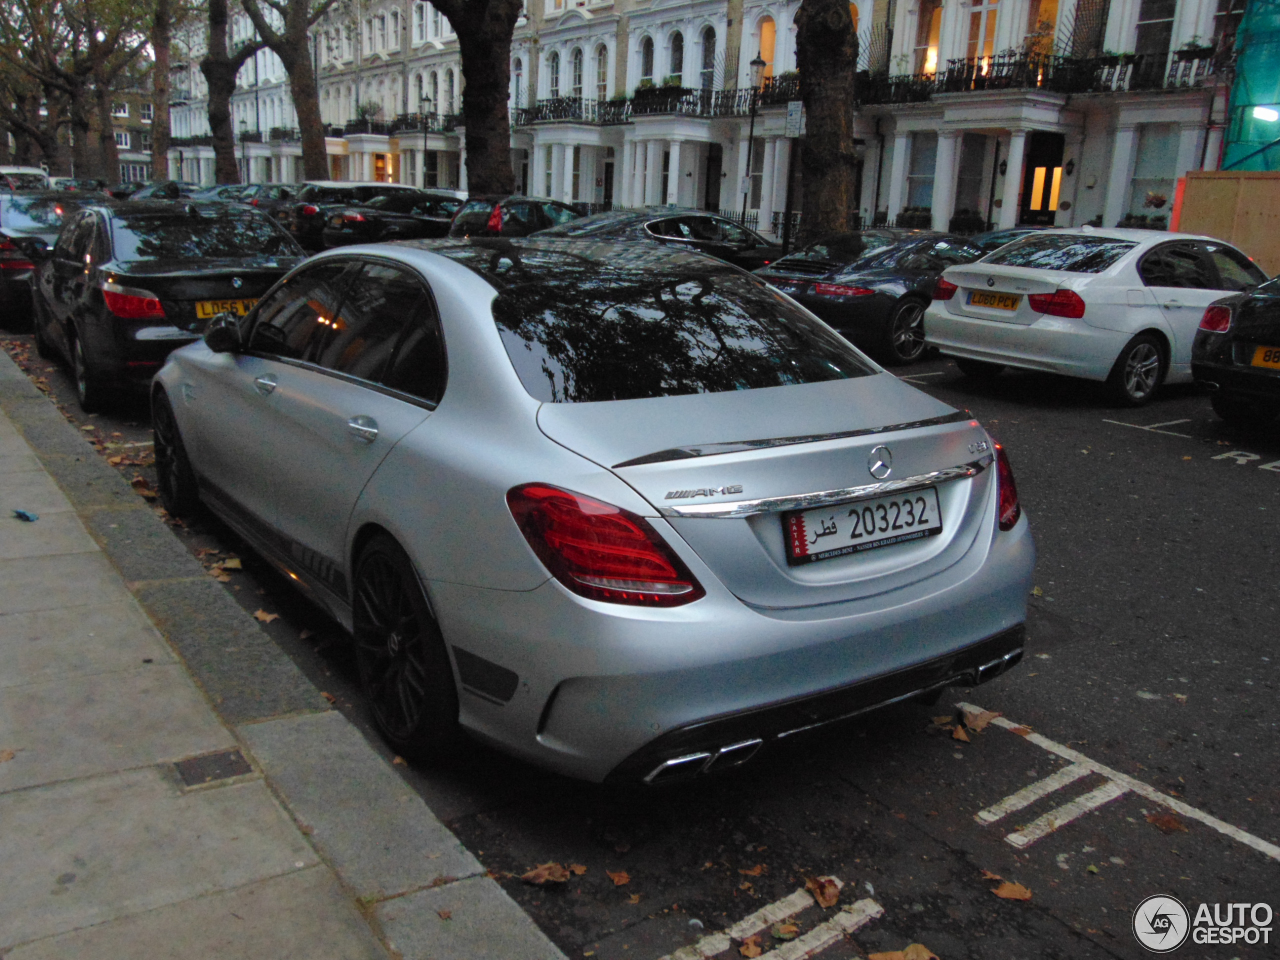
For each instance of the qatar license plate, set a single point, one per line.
(1267, 357)
(208, 309)
(862, 525)
(1001, 301)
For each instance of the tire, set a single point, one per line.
(179, 491)
(978, 369)
(404, 667)
(1243, 411)
(90, 390)
(1138, 371)
(903, 339)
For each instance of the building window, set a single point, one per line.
(708, 78)
(147, 111)
(1155, 30)
(927, 29)
(122, 139)
(395, 29)
(448, 91)
(382, 31)
(436, 26)
(432, 169)
(768, 41)
(577, 170)
(982, 29)
(145, 139)
(1042, 25)
(348, 43)
(757, 174)
(550, 173)
(119, 109)
(435, 92)
(575, 86)
(419, 23)
(553, 75)
(1226, 22)
(924, 160)
(1153, 171)
(646, 60)
(677, 58)
(602, 72)
(517, 77)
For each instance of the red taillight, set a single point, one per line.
(944, 289)
(601, 551)
(1060, 303)
(254, 202)
(495, 220)
(11, 258)
(353, 218)
(840, 290)
(1006, 491)
(309, 211)
(1216, 319)
(130, 303)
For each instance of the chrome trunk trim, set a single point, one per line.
(805, 501)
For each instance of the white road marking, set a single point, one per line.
(828, 933)
(1033, 792)
(1136, 786)
(1060, 817)
(1152, 429)
(765, 917)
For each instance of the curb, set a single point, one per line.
(391, 854)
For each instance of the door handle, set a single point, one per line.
(265, 384)
(1173, 303)
(363, 428)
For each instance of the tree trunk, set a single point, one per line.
(220, 71)
(306, 102)
(110, 156)
(160, 43)
(486, 57)
(82, 153)
(827, 49)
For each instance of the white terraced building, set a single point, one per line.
(969, 111)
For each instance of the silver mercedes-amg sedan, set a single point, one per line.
(630, 514)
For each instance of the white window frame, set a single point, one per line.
(120, 110)
(147, 111)
(123, 140)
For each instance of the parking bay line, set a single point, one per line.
(1129, 784)
(1152, 428)
(1061, 816)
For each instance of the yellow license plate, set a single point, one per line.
(1267, 357)
(1001, 301)
(207, 309)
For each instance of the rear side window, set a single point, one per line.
(557, 214)
(584, 332)
(473, 216)
(1235, 270)
(1178, 265)
(200, 237)
(1057, 251)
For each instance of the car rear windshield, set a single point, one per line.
(28, 212)
(200, 237)
(845, 247)
(26, 181)
(644, 324)
(1058, 251)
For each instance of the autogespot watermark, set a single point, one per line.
(1162, 924)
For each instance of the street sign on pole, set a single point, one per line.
(795, 118)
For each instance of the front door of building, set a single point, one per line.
(715, 163)
(1043, 178)
(608, 185)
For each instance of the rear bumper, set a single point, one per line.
(1239, 381)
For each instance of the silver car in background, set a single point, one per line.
(625, 512)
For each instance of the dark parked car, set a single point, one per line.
(320, 199)
(126, 189)
(29, 225)
(220, 191)
(1236, 353)
(165, 190)
(403, 215)
(79, 184)
(127, 283)
(687, 229)
(509, 216)
(995, 239)
(872, 286)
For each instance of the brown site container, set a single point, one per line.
(1240, 207)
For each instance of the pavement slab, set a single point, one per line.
(53, 533)
(87, 851)
(32, 490)
(297, 916)
(366, 820)
(58, 582)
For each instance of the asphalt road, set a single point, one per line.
(1151, 671)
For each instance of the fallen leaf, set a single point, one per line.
(1020, 730)
(220, 576)
(784, 931)
(977, 720)
(746, 885)
(328, 696)
(115, 461)
(233, 563)
(1166, 823)
(988, 875)
(913, 951)
(753, 871)
(1180, 697)
(943, 721)
(959, 734)
(1012, 891)
(1091, 868)
(1037, 592)
(708, 865)
(265, 617)
(444, 914)
(6, 755)
(577, 869)
(621, 878)
(546, 873)
(824, 890)
(398, 761)
(634, 898)
(751, 946)
(89, 429)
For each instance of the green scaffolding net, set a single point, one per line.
(1253, 128)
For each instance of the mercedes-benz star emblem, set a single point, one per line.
(880, 462)
(237, 282)
(991, 281)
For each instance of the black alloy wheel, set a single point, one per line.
(179, 491)
(979, 369)
(90, 390)
(1243, 411)
(1138, 372)
(904, 334)
(404, 667)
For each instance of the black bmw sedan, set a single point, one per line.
(1236, 354)
(127, 283)
(403, 215)
(872, 286)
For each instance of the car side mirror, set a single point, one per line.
(223, 334)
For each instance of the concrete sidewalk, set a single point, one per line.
(170, 785)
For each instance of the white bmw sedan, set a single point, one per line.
(1120, 306)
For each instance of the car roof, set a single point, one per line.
(1147, 237)
(186, 207)
(352, 184)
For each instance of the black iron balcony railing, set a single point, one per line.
(365, 125)
(183, 142)
(250, 136)
(781, 89)
(426, 123)
(284, 134)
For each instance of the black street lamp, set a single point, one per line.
(244, 149)
(757, 77)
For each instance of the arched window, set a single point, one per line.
(575, 85)
(448, 91)
(517, 76)
(419, 91)
(646, 60)
(553, 74)
(435, 92)
(677, 58)
(768, 39)
(707, 80)
(602, 72)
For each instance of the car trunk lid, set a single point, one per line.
(999, 293)
(192, 292)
